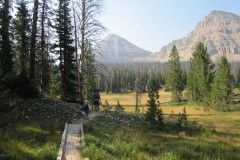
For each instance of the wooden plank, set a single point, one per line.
(72, 147)
(63, 142)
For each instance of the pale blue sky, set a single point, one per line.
(150, 24)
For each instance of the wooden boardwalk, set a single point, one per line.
(73, 139)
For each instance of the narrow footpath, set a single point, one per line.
(73, 139)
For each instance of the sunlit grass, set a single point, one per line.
(25, 140)
(130, 98)
(218, 140)
(108, 138)
(31, 129)
(220, 121)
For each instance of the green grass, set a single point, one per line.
(30, 140)
(24, 135)
(116, 135)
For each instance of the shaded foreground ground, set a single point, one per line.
(31, 129)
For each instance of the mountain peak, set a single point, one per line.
(219, 31)
(112, 36)
(220, 15)
(217, 19)
(117, 49)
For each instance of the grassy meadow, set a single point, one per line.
(31, 130)
(119, 135)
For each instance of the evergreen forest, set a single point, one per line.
(48, 49)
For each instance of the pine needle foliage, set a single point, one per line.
(175, 75)
(182, 119)
(200, 75)
(222, 86)
(6, 49)
(154, 114)
(68, 68)
(21, 26)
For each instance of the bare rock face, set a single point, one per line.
(220, 33)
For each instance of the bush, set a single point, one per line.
(182, 119)
(119, 107)
(154, 115)
(106, 106)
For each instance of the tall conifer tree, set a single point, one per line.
(90, 70)
(154, 114)
(44, 43)
(222, 86)
(66, 50)
(32, 70)
(174, 75)
(6, 57)
(21, 25)
(200, 75)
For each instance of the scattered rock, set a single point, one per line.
(58, 110)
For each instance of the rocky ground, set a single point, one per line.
(39, 109)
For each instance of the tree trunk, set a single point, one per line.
(76, 55)
(82, 57)
(33, 42)
(6, 48)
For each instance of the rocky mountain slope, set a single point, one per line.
(117, 49)
(219, 31)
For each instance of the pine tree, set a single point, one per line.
(21, 25)
(174, 75)
(200, 75)
(68, 68)
(182, 119)
(55, 82)
(153, 83)
(154, 114)
(6, 50)
(238, 78)
(32, 69)
(222, 86)
(90, 76)
(1, 19)
(43, 45)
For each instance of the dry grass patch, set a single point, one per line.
(109, 138)
(130, 98)
(224, 125)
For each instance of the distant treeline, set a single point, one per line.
(122, 77)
